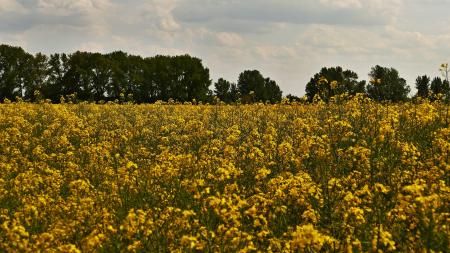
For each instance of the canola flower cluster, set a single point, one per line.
(348, 176)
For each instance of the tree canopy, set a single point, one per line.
(253, 87)
(95, 76)
(423, 86)
(387, 85)
(222, 89)
(334, 81)
(439, 87)
(15, 72)
(118, 76)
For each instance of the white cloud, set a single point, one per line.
(343, 12)
(140, 47)
(344, 4)
(230, 39)
(159, 13)
(92, 47)
(65, 7)
(287, 40)
(269, 52)
(11, 6)
(380, 41)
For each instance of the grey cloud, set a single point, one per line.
(22, 22)
(287, 40)
(62, 7)
(299, 12)
(237, 25)
(85, 15)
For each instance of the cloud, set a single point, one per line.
(337, 12)
(141, 47)
(90, 15)
(92, 47)
(159, 13)
(387, 42)
(342, 4)
(287, 40)
(11, 6)
(269, 52)
(230, 39)
(64, 7)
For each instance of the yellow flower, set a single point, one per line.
(334, 85)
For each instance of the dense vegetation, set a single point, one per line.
(350, 175)
(117, 76)
(385, 85)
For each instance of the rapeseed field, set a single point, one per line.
(347, 176)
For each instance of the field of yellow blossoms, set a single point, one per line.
(354, 176)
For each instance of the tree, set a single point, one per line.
(192, 79)
(293, 98)
(334, 81)
(446, 89)
(387, 85)
(133, 86)
(234, 93)
(273, 91)
(100, 72)
(57, 69)
(222, 89)
(183, 78)
(445, 70)
(423, 86)
(36, 75)
(95, 76)
(251, 86)
(15, 72)
(439, 86)
(120, 65)
(76, 80)
(254, 87)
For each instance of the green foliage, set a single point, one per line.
(254, 87)
(387, 85)
(423, 86)
(273, 91)
(334, 81)
(222, 89)
(293, 98)
(118, 76)
(439, 87)
(100, 77)
(15, 72)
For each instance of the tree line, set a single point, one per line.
(118, 76)
(385, 85)
(123, 77)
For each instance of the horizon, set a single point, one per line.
(288, 42)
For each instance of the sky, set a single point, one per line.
(288, 41)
